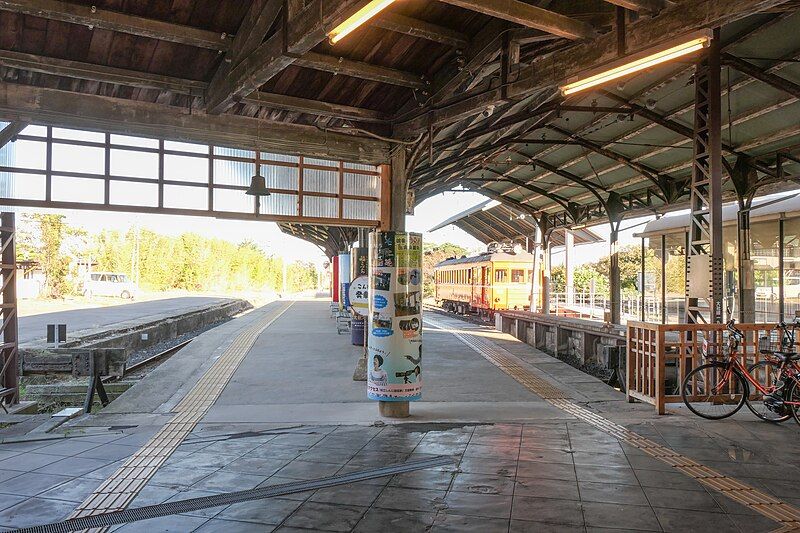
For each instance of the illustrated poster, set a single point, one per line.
(394, 346)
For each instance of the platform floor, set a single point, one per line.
(290, 411)
(33, 328)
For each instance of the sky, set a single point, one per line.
(269, 237)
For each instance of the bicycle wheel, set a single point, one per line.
(711, 392)
(765, 373)
(793, 395)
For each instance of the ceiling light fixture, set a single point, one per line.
(643, 60)
(360, 17)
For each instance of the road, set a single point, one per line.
(35, 327)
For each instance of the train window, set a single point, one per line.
(500, 275)
(517, 276)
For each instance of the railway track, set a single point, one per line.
(149, 362)
(468, 318)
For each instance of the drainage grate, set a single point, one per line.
(773, 508)
(217, 500)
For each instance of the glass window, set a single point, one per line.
(675, 274)
(730, 261)
(517, 276)
(791, 267)
(500, 275)
(651, 285)
(764, 253)
(73, 158)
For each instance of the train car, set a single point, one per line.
(485, 283)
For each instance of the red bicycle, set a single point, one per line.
(718, 389)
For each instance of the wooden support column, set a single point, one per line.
(397, 223)
(399, 189)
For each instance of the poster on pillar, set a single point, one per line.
(394, 343)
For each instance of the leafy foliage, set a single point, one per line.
(188, 261)
(432, 254)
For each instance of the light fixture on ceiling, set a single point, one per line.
(643, 60)
(357, 19)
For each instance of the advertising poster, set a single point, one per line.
(394, 345)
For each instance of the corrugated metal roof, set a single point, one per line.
(491, 221)
(763, 209)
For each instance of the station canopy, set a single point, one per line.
(492, 221)
(468, 89)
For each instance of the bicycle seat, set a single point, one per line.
(785, 357)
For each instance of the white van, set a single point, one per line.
(108, 284)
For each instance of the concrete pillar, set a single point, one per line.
(548, 264)
(536, 289)
(614, 275)
(569, 266)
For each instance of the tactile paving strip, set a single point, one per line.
(122, 487)
(783, 513)
(227, 498)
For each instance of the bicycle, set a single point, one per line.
(718, 389)
(779, 375)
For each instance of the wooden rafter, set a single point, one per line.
(145, 80)
(259, 19)
(11, 130)
(360, 69)
(127, 117)
(89, 15)
(420, 29)
(652, 6)
(306, 27)
(530, 16)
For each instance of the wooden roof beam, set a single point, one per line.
(127, 117)
(93, 17)
(11, 130)
(360, 69)
(651, 6)
(257, 22)
(306, 27)
(420, 29)
(145, 80)
(530, 16)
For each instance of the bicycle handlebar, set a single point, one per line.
(734, 330)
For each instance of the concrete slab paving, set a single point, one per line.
(291, 412)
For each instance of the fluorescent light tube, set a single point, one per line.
(649, 59)
(360, 17)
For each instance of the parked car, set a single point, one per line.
(108, 284)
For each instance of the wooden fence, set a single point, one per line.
(661, 355)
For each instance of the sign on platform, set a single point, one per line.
(359, 295)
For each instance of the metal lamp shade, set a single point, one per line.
(258, 186)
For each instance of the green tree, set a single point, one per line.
(432, 255)
(44, 242)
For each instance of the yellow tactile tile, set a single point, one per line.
(783, 513)
(121, 488)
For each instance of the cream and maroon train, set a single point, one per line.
(492, 281)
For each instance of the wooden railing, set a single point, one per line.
(661, 355)
(9, 387)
